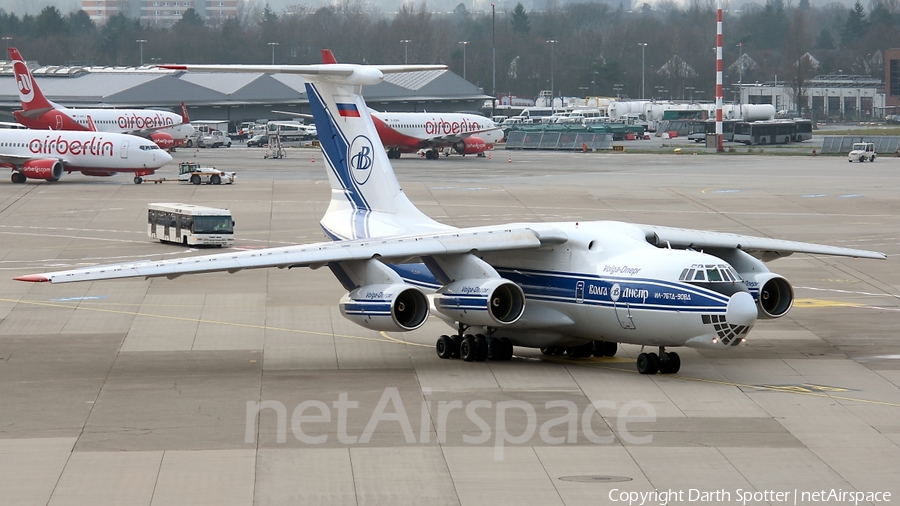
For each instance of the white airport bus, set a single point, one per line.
(190, 225)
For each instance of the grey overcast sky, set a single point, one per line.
(21, 7)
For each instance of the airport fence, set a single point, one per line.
(843, 143)
(558, 140)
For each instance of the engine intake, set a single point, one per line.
(774, 295)
(46, 168)
(481, 302)
(389, 308)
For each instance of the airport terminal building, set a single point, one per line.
(232, 97)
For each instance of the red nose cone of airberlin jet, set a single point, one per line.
(741, 310)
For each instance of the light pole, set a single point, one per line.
(7, 39)
(273, 44)
(406, 50)
(643, 47)
(141, 42)
(552, 43)
(464, 44)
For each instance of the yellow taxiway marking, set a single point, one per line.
(400, 341)
(770, 388)
(214, 322)
(823, 303)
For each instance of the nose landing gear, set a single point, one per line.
(664, 363)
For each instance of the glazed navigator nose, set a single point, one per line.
(741, 310)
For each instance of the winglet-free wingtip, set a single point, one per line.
(33, 278)
(173, 67)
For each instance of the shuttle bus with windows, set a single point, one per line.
(771, 132)
(190, 225)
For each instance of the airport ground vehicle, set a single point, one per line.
(214, 139)
(190, 225)
(192, 172)
(781, 131)
(862, 151)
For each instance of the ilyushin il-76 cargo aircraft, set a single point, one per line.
(576, 287)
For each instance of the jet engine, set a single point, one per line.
(387, 307)
(470, 146)
(163, 140)
(481, 302)
(775, 296)
(47, 168)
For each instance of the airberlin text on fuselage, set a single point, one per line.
(440, 126)
(135, 121)
(95, 146)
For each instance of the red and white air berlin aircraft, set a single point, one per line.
(410, 132)
(166, 129)
(43, 154)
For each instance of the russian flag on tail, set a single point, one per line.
(348, 110)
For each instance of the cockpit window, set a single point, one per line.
(710, 273)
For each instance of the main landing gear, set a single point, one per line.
(664, 363)
(432, 154)
(474, 348)
(595, 348)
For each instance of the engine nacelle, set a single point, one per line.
(481, 302)
(389, 308)
(471, 146)
(47, 168)
(163, 140)
(773, 293)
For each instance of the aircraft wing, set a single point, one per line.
(14, 160)
(764, 248)
(313, 255)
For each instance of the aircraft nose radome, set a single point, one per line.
(741, 310)
(165, 158)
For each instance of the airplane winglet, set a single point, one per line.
(33, 278)
(328, 57)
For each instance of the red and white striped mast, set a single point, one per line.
(719, 147)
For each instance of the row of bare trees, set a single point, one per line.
(596, 48)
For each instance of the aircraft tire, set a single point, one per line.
(138, 180)
(482, 347)
(610, 349)
(648, 363)
(468, 349)
(456, 340)
(507, 346)
(444, 347)
(547, 351)
(671, 365)
(583, 351)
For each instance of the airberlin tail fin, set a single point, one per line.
(30, 94)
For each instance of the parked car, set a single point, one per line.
(258, 140)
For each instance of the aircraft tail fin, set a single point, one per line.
(184, 114)
(30, 94)
(91, 126)
(328, 56)
(366, 198)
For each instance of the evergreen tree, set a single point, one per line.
(825, 40)
(804, 5)
(520, 21)
(855, 26)
(50, 23)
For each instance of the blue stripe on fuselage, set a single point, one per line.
(560, 287)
